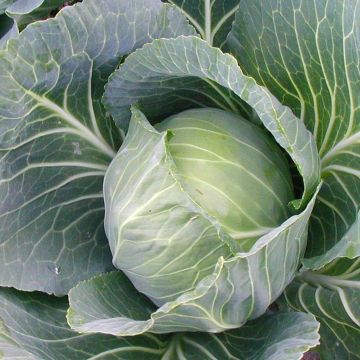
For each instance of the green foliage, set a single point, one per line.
(100, 127)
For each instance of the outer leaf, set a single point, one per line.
(348, 246)
(275, 337)
(36, 324)
(240, 288)
(8, 30)
(211, 18)
(308, 54)
(333, 296)
(331, 346)
(56, 140)
(35, 328)
(101, 304)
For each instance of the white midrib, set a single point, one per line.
(328, 281)
(222, 21)
(347, 308)
(76, 164)
(340, 168)
(341, 145)
(208, 21)
(71, 120)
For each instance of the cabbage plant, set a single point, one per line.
(180, 180)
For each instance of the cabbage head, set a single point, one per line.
(232, 169)
(226, 183)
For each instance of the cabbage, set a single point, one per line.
(232, 169)
(180, 166)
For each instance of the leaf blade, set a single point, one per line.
(307, 54)
(56, 139)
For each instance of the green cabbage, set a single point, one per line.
(205, 186)
(232, 169)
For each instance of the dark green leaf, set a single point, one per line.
(307, 54)
(333, 296)
(56, 140)
(211, 18)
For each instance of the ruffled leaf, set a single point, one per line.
(34, 325)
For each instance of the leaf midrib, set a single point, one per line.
(328, 281)
(88, 135)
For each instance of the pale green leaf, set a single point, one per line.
(158, 79)
(56, 140)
